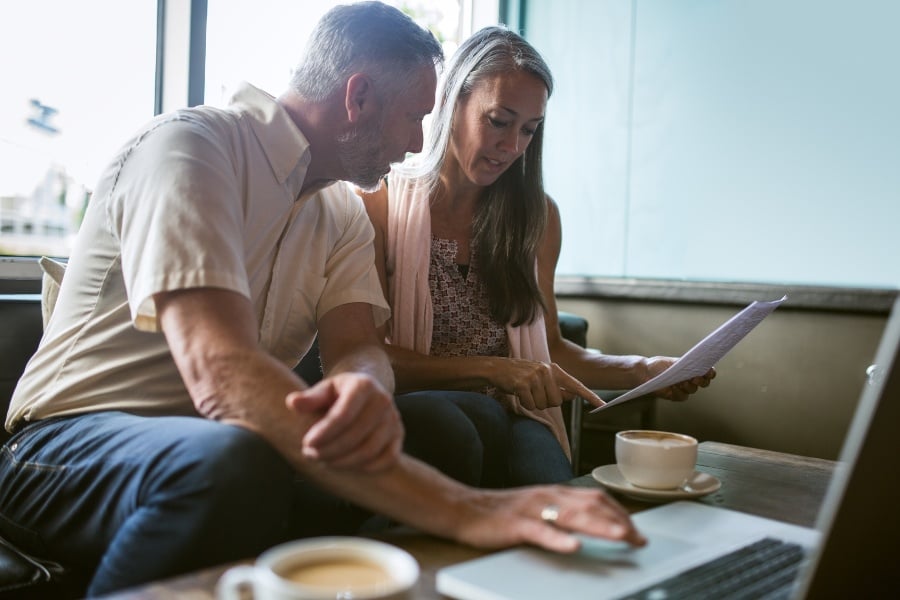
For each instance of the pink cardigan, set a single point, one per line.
(408, 253)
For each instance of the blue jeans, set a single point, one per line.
(472, 438)
(127, 499)
(535, 456)
(123, 499)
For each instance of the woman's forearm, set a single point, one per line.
(414, 371)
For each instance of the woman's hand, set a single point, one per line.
(680, 391)
(538, 385)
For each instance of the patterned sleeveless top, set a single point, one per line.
(462, 321)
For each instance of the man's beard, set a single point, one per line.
(361, 154)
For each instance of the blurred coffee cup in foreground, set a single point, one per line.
(323, 568)
(658, 460)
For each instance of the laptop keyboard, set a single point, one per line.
(763, 569)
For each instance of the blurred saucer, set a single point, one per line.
(700, 484)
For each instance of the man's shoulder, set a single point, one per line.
(200, 123)
(339, 196)
(335, 205)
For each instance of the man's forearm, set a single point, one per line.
(410, 491)
(369, 359)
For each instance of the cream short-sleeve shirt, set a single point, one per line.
(202, 197)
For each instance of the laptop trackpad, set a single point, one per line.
(599, 569)
(659, 548)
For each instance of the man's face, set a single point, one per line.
(367, 152)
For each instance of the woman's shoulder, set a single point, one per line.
(551, 203)
(552, 237)
(552, 210)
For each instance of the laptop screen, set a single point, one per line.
(860, 518)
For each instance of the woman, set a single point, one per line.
(466, 246)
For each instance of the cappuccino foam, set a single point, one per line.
(339, 574)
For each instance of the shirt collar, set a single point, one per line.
(285, 146)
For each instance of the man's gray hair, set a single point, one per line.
(365, 37)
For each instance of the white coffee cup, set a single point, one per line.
(657, 460)
(324, 568)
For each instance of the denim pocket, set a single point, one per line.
(16, 453)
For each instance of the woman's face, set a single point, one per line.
(495, 123)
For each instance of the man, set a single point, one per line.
(213, 249)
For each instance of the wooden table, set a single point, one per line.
(769, 484)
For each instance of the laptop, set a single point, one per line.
(852, 552)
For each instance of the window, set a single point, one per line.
(724, 141)
(84, 78)
(77, 77)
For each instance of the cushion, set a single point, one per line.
(50, 282)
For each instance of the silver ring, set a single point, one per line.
(550, 513)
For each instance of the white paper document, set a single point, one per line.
(702, 357)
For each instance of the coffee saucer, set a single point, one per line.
(700, 484)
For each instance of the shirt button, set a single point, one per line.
(14, 446)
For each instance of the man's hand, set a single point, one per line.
(546, 516)
(359, 427)
(680, 391)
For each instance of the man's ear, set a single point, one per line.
(360, 98)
